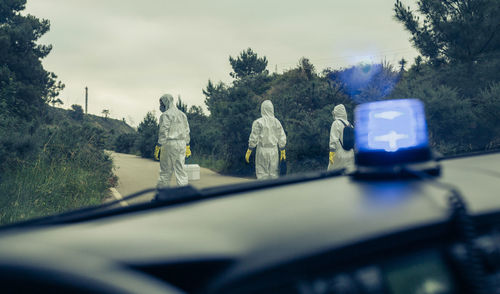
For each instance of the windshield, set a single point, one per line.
(101, 99)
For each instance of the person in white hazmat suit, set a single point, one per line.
(173, 143)
(267, 135)
(339, 157)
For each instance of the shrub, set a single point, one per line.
(125, 143)
(487, 109)
(147, 135)
(70, 171)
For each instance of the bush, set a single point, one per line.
(46, 187)
(70, 170)
(456, 123)
(487, 109)
(203, 134)
(16, 141)
(147, 133)
(125, 143)
(77, 112)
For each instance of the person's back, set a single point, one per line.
(270, 131)
(175, 125)
(267, 135)
(173, 137)
(339, 157)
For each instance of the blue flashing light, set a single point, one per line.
(391, 127)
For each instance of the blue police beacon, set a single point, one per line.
(391, 135)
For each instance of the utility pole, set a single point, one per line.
(86, 98)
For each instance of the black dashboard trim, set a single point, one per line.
(349, 256)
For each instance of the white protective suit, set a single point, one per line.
(173, 137)
(343, 158)
(267, 135)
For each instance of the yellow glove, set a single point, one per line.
(188, 151)
(156, 153)
(282, 155)
(332, 156)
(247, 156)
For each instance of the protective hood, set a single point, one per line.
(339, 112)
(168, 101)
(267, 109)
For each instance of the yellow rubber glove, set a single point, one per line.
(282, 155)
(332, 156)
(188, 151)
(247, 156)
(156, 153)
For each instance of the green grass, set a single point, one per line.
(46, 187)
(209, 162)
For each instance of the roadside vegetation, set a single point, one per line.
(69, 171)
(51, 160)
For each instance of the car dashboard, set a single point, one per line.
(328, 235)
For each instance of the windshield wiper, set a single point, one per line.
(169, 197)
(189, 193)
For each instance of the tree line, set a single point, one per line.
(456, 75)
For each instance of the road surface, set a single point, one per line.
(136, 174)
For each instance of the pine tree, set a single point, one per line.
(453, 31)
(247, 64)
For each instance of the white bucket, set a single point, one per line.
(193, 171)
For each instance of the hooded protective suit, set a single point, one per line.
(173, 137)
(267, 135)
(342, 158)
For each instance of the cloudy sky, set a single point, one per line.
(129, 53)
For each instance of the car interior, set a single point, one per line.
(422, 224)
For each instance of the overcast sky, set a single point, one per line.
(131, 52)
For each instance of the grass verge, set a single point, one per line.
(209, 162)
(45, 187)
